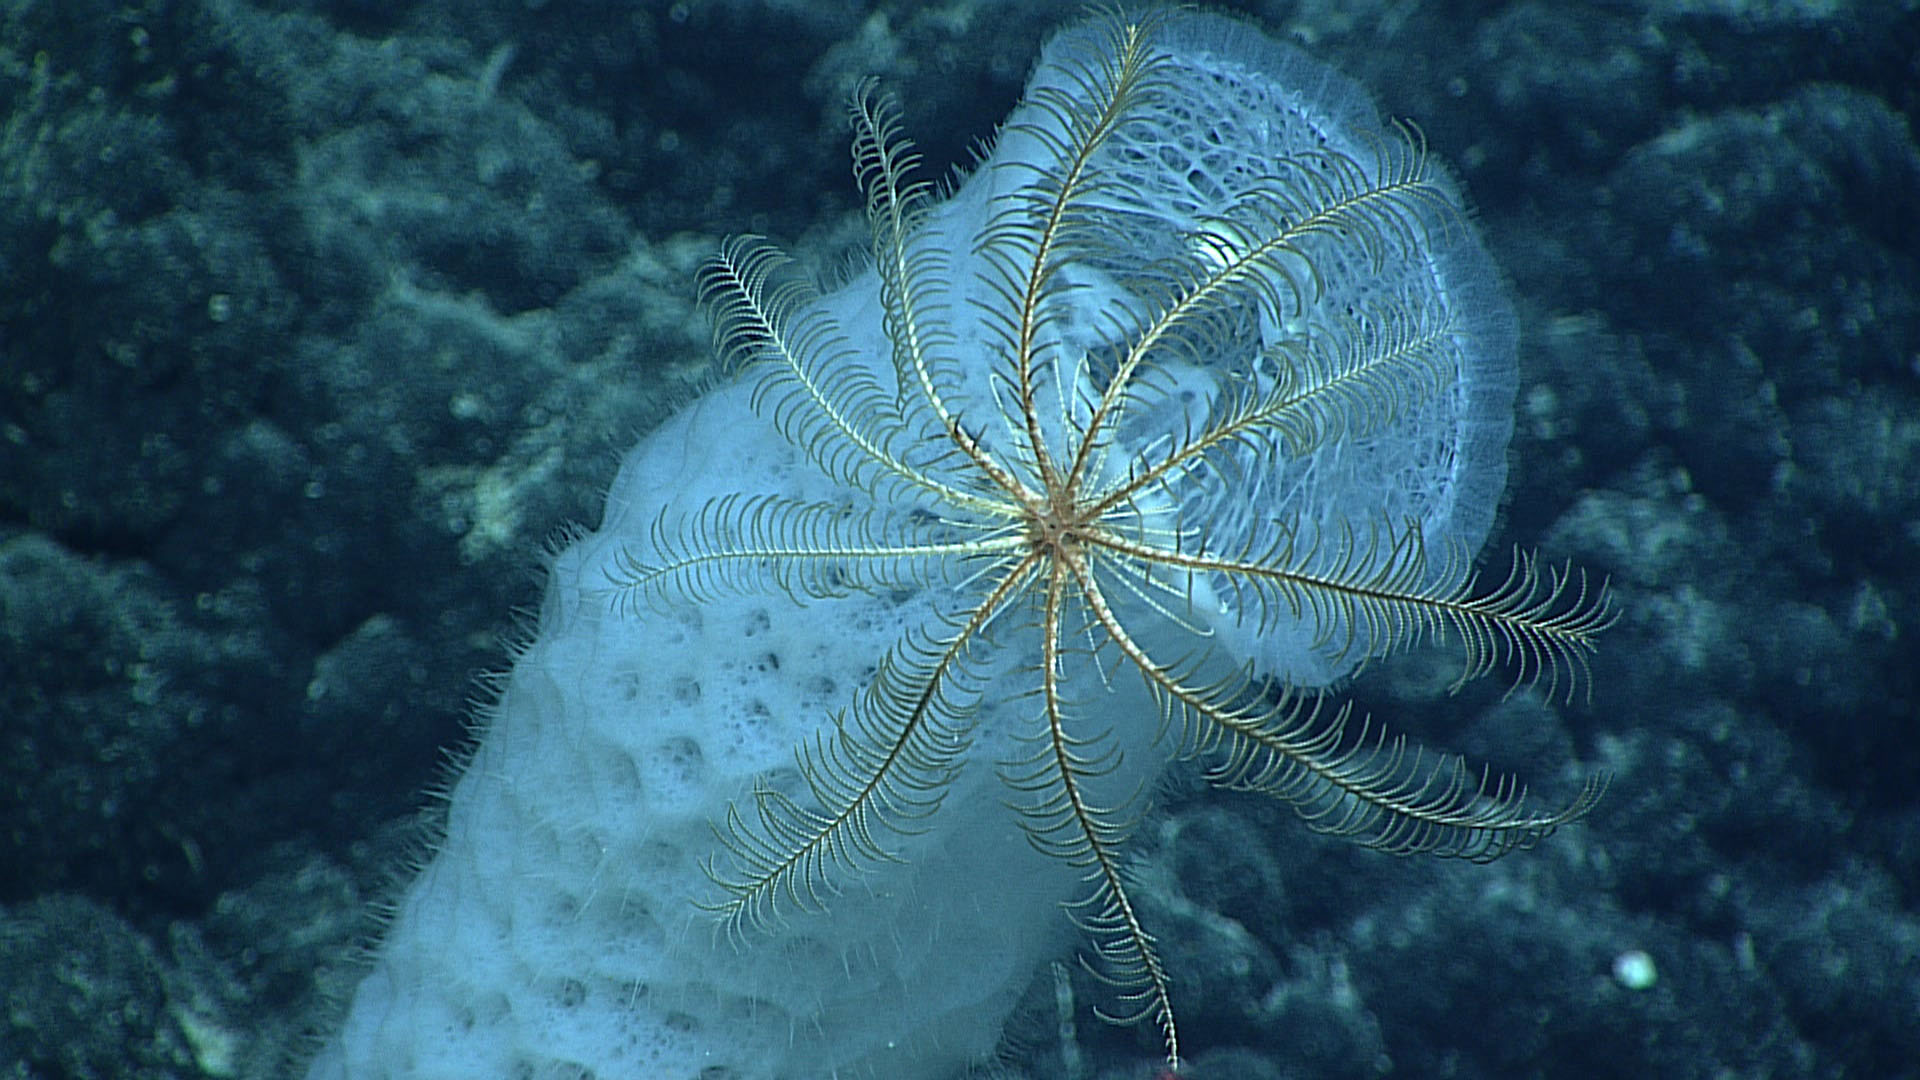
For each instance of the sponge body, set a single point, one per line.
(558, 932)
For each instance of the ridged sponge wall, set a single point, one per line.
(557, 931)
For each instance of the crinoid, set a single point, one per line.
(1142, 404)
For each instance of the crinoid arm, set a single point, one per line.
(874, 779)
(805, 550)
(1377, 789)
